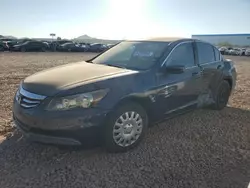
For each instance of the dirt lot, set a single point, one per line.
(200, 149)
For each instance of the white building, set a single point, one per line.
(233, 39)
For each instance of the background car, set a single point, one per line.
(55, 45)
(96, 47)
(227, 51)
(10, 44)
(231, 51)
(222, 50)
(235, 51)
(6, 42)
(72, 47)
(243, 51)
(247, 52)
(2, 46)
(110, 45)
(29, 46)
(47, 44)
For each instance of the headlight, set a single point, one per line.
(83, 100)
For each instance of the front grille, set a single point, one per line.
(27, 99)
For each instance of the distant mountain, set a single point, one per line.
(88, 39)
(83, 37)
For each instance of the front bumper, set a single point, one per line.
(63, 128)
(65, 137)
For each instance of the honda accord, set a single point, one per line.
(115, 95)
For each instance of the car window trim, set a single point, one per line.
(179, 44)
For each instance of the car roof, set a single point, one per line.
(164, 39)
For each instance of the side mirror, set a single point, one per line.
(175, 69)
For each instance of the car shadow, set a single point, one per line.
(203, 148)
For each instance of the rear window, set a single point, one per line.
(217, 54)
(205, 53)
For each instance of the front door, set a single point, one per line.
(179, 91)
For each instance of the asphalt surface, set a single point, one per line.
(200, 149)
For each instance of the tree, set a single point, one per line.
(58, 38)
(227, 44)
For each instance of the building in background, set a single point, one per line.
(225, 39)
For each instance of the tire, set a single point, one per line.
(222, 95)
(121, 136)
(23, 49)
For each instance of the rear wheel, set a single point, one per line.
(125, 128)
(221, 96)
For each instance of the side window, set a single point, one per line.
(205, 53)
(217, 54)
(182, 55)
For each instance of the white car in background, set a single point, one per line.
(232, 52)
(236, 51)
(239, 51)
(247, 52)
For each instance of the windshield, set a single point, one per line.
(133, 55)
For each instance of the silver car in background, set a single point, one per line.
(247, 52)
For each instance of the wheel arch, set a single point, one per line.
(144, 102)
(229, 80)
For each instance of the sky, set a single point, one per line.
(123, 19)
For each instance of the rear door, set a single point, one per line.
(179, 91)
(209, 59)
(32, 46)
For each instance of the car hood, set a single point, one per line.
(51, 81)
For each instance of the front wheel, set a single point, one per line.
(125, 127)
(222, 95)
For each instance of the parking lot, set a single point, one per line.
(201, 149)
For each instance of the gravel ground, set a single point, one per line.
(201, 149)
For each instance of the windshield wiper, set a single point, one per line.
(119, 66)
(89, 61)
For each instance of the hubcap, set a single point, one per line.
(127, 129)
